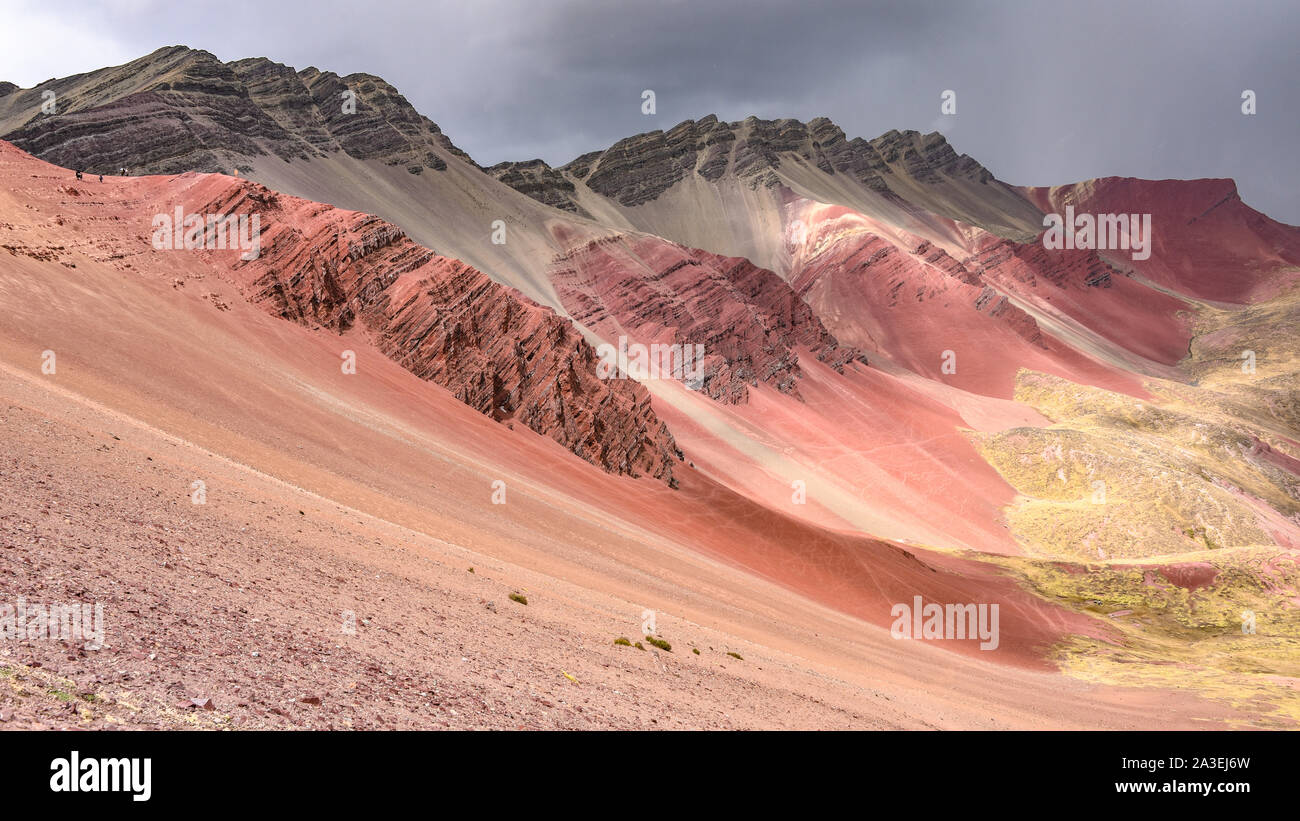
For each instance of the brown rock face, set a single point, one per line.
(179, 109)
(746, 318)
(383, 126)
(448, 323)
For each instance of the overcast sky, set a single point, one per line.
(1046, 92)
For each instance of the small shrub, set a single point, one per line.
(735, 656)
(695, 650)
(660, 643)
(622, 642)
(519, 597)
(639, 646)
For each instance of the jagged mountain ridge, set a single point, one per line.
(638, 169)
(180, 109)
(904, 168)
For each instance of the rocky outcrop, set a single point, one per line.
(638, 169)
(540, 181)
(383, 126)
(171, 111)
(180, 109)
(897, 293)
(747, 319)
(448, 323)
(1031, 263)
(280, 94)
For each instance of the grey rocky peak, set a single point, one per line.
(181, 109)
(540, 181)
(638, 169)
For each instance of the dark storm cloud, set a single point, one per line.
(1046, 92)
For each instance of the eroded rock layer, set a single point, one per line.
(446, 322)
(747, 320)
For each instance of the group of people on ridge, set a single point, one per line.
(121, 171)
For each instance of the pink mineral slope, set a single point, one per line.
(1206, 242)
(329, 494)
(973, 313)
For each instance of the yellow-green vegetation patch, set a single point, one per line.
(1234, 636)
(1117, 477)
(1091, 496)
(1265, 701)
(1262, 581)
(1161, 511)
(1252, 346)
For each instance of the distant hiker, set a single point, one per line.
(78, 175)
(101, 177)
